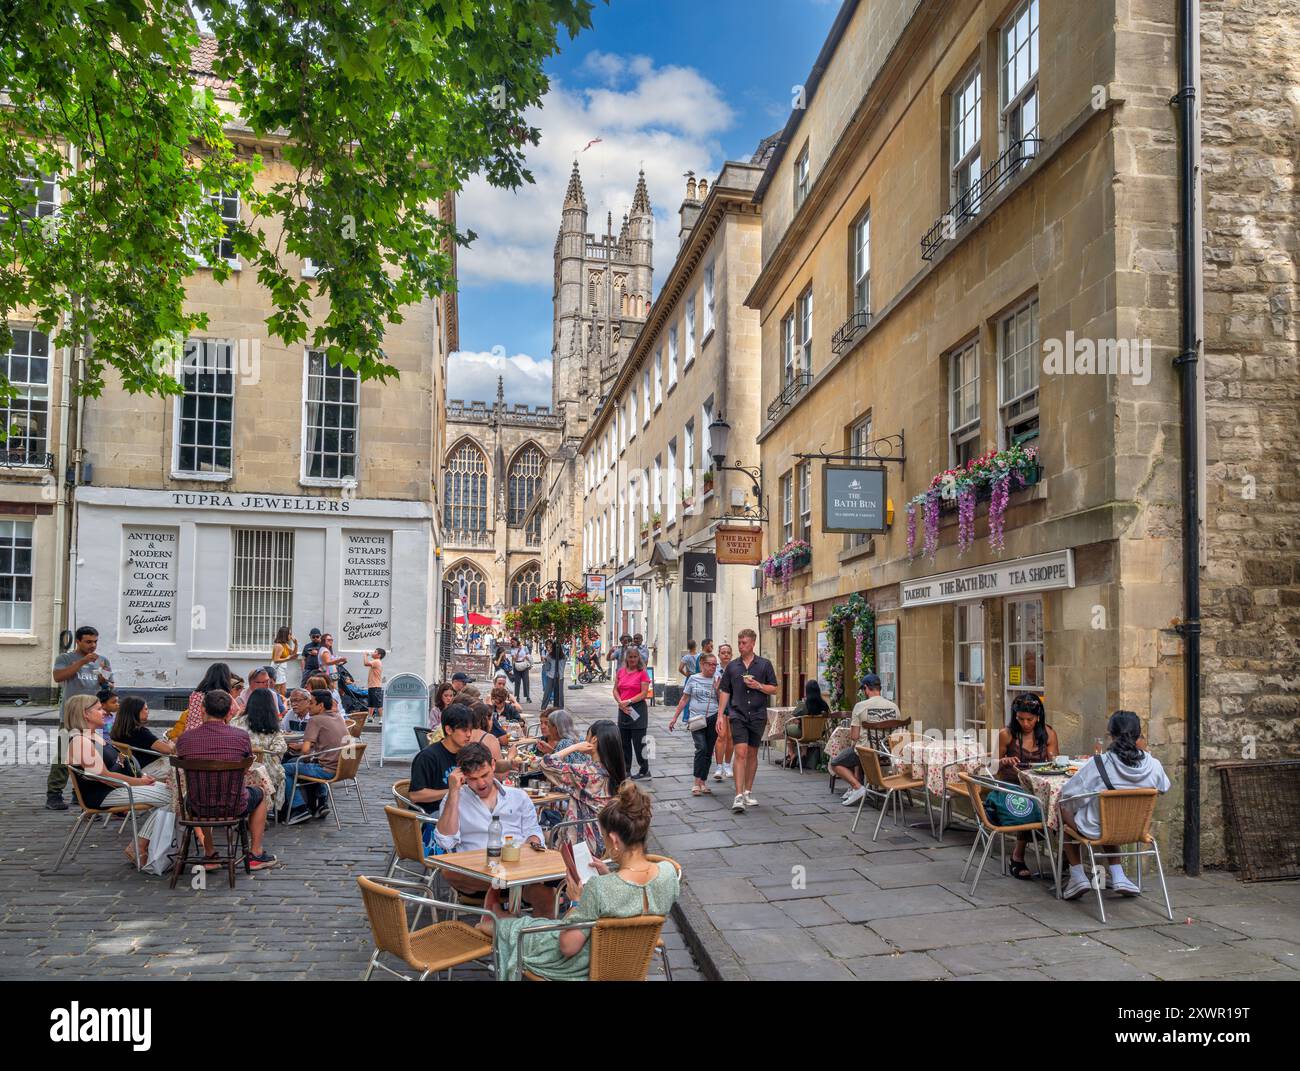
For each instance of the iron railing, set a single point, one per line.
(843, 339)
(967, 207)
(21, 457)
(798, 383)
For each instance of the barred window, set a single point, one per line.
(26, 415)
(331, 421)
(15, 576)
(261, 587)
(526, 584)
(466, 485)
(206, 422)
(523, 483)
(468, 578)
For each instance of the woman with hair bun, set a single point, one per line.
(637, 887)
(1123, 765)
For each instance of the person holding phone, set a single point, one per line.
(631, 690)
(745, 688)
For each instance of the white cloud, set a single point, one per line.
(665, 119)
(472, 376)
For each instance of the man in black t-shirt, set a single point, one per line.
(746, 684)
(431, 767)
(310, 658)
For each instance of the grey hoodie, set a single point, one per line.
(1148, 773)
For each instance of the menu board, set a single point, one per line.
(406, 708)
(149, 584)
(366, 589)
(887, 659)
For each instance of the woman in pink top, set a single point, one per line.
(631, 689)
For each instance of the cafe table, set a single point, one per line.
(927, 759)
(533, 867)
(1047, 787)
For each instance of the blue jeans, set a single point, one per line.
(315, 792)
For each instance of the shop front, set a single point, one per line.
(790, 642)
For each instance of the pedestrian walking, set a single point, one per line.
(521, 659)
(631, 689)
(80, 671)
(310, 655)
(700, 696)
(552, 673)
(724, 749)
(746, 686)
(284, 650)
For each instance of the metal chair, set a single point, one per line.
(87, 815)
(408, 848)
(401, 794)
(345, 776)
(356, 723)
(440, 946)
(886, 788)
(812, 731)
(211, 798)
(954, 788)
(1125, 819)
(986, 831)
(877, 737)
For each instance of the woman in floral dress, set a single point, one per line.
(591, 773)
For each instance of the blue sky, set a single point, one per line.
(670, 85)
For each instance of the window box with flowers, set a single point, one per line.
(781, 566)
(706, 481)
(993, 476)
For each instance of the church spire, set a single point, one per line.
(573, 196)
(641, 199)
(501, 392)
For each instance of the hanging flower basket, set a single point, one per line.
(782, 565)
(858, 614)
(994, 475)
(555, 619)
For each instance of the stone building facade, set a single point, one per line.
(276, 490)
(497, 463)
(649, 492)
(970, 244)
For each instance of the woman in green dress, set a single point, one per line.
(638, 887)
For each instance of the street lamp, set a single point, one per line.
(719, 438)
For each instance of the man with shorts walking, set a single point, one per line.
(746, 685)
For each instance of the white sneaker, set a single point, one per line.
(717, 772)
(738, 804)
(853, 795)
(1122, 885)
(749, 800)
(1076, 886)
(726, 769)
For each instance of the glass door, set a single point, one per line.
(971, 702)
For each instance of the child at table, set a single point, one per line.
(1026, 740)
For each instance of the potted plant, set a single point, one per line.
(656, 522)
(707, 481)
(781, 565)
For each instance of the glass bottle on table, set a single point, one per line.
(494, 838)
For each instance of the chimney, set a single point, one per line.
(690, 210)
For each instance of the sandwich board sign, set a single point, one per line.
(406, 707)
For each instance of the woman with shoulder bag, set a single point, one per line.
(700, 692)
(522, 661)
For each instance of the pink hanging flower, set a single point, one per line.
(931, 524)
(997, 511)
(966, 518)
(911, 531)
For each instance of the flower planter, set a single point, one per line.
(993, 476)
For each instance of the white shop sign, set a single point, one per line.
(366, 586)
(148, 584)
(1042, 572)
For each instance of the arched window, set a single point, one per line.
(475, 586)
(526, 584)
(523, 483)
(466, 495)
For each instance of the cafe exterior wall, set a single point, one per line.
(1073, 244)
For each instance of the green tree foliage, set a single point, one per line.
(383, 108)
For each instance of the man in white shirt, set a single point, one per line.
(875, 711)
(474, 797)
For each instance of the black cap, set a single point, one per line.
(871, 681)
(314, 632)
(460, 677)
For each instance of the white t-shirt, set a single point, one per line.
(877, 708)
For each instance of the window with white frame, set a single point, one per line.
(708, 299)
(965, 148)
(1024, 647)
(1018, 365)
(972, 707)
(43, 192)
(964, 403)
(801, 172)
(689, 343)
(645, 397)
(672, 480)
(330, 425)
(672, 357)
(862, 264)
(787, 508)
(16, 576)
(206, 410)
(804, 310)
(805, 501)
(688, 458)
(1020, 78)
(706, 418)
(227, 204)
(645, 496)
(25, 416)
(658, 489)
(787, 349)
(631, 412)
(859, 447)
(659, 378)
(623, 525)
(261, 586)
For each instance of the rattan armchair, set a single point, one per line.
(407, 857)
(986, 831)
(621, 948)
(440, 946)
(954, 788)
(1125, 819)
(885, 787)
(356, 723)
(812, 731)
(345, 776)
(87, 815)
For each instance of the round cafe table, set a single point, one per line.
(927, 758)
(1047, 787)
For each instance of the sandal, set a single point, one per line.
(695, 791)
(705, 790)
(1019, 870)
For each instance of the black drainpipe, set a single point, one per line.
(1187, 363)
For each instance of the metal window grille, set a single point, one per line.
(207, 407)
(332, 408)
(261, 589)
(15, 576)
(25, 416)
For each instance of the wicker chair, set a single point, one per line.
(356, 723)
(345, 776)
(408, 850)
(440, 946)
(986, 831)
(812, 731)
(87, 815)
(401, 794)
(954, 788)
(1125, 819)
(886, 787)
(877, 734)
(211, 798)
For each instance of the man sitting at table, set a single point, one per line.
(315, 755)
(875, 711)
(431, 768)
(474, 797)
